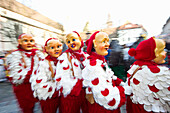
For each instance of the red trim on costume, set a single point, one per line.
(118, 81)
(113, 83)
(77, 88)
(122, 96)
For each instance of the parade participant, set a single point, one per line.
(150, 81)
(43, 83)
(68, 76)
(20, 65)
(104, 93)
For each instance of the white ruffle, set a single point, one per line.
(44, 74)
(68, 81)
(90, 73)
(17, 72)
(156, 102)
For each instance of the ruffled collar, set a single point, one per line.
(94, 56)
(29, 53)
(50, 58)
(151, 65)
(78, 54)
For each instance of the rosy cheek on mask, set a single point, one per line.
(164, 56)
(102, 47)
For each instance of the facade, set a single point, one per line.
(129, 33)
(15, 19)
(166, 31)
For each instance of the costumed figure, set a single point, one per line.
(150, 82)
(104, 93)
(69, 76)
(43, 83)
(20, 65)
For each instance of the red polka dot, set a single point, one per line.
(93, 62)
(20, 64)
(19, 70)
(153, 88)
(105, 92)
(128, 75)
(65, 68)
(95, 81)
(135, 81)
(112, 102)
(45, 86)
(38, 81)
(19, 77)
(89, 89)
(58, 79)
(35, 72)
(50, 89)
(75, 64)
(61, 61)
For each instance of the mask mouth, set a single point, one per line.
(73, 45)
(29, 46)
(106, 48)
(57, 53)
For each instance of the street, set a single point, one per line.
(8, 102)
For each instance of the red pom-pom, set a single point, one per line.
(132, 52)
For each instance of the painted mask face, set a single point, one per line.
(73, 41)
(54, 48)
(27, 42)
(159, 51)
(101, 43)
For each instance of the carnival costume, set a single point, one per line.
(101, 83)
(21, 64)
(150, 82)
(68, 76)
(44, 85)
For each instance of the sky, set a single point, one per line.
(73, 14)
